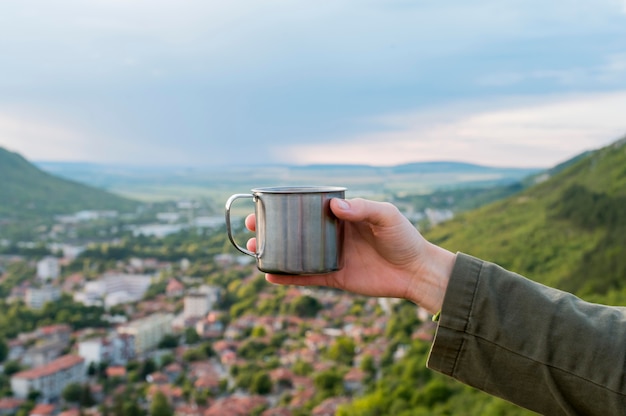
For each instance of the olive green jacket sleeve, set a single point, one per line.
(538, 347)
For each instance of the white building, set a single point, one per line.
(148, 331)
(196, 305)
(50, 379)
(199, 302)
(35, 297)
(117, 350)
(48, 268)
(114, 289)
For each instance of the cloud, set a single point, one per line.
(196, 82)
(612, 70)
(540, 133)
(35, 136)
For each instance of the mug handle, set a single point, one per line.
(228, 224)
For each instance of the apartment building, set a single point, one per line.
(36, 297)
(148, 331)
(50, 379)
(48, 268)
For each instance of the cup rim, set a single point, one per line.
(306, 189)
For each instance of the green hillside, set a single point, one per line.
(568, 231)
(28, 192)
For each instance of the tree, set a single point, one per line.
(329, 383)
(305, 306)
(368, 365)
(160, 406)
(4, 350)
(191, 336)
(261, 383)
(169, 341)
(78, 393)
(342, 350)
(148, 367)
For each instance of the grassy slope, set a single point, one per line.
(26, 192)
(566, 232)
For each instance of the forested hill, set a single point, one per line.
(26, 191)
(568, 231)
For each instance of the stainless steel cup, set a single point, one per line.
(296, 231)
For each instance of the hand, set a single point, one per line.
(384, 256)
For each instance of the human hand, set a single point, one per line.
(384, 256)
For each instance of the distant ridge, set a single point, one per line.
(28, 192)
(171, 182)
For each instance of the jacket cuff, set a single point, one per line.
(455, 314)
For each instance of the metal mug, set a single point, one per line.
(296, 231)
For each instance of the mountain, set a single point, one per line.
(568, 231)
(28, 192)
(175, 182)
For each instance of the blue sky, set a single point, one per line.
(201, 82)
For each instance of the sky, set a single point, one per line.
(248, 82)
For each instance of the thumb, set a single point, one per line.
(358, 209)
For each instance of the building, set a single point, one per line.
(48, 268)
(148, 331)
(35, 297)
(198, 303)
(114, 289)
(50, 379)
(117, 350)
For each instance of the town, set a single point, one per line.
(164, 318)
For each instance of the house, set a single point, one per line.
(157, 378)
(174, 288)
(50, 379)
(173, 393)
(236, 406)
(43, 410)
(277, 411)
(116, 372)
(329, 406)
(353, 380)
(188, 410)
(10, 405)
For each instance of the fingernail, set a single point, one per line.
(343, 204)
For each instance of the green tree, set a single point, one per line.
(4, 350)
(261, 383)
(302, 368)
(169, 341)
(148, 367)
(305, 306)
(342, 350)
(72, 392)
(191, 336)
(12, 367)
(368, 365)
(160, 406)
(329, 383)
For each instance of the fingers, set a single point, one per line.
(357, 209)
(251, 245)
(311, 280)
(251, 222)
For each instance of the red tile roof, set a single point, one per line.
(116, 371)
(62, 363)
(43, 409)
(9, 403)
